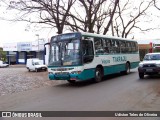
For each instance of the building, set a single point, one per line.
(148, 46)
(19, 52)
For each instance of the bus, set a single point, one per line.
(80, 56)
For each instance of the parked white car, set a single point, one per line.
(2, 64)
(35, 64)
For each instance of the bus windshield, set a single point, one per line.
(65, 53)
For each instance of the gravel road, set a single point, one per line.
(17, 79)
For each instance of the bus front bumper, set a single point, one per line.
(64, 77)
(74, 75)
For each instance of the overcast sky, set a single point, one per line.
(14, 32)
(19, 31)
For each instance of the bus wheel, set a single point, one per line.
(71, 81)
(127, 71)
(98, 75)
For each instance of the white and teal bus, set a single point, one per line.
(81, 56)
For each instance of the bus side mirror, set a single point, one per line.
(45, 47)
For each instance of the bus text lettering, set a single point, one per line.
(119, 59)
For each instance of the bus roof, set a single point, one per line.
(105, 36)
(97, 35)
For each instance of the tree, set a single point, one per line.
(111, 17)
(95, 16)
(133, 15)
(102, 16)
(49, 12)
(2, 55)
(90, 19)
(156, 4)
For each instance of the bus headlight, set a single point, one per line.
(76, 72)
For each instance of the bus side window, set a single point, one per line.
(108, 45)
(98, 46)
(115, 46)
(88, 53)
(123, 46)
(136, 47)
(127, 46)
(105, 47)
(133, 47)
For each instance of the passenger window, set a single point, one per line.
(105, 47)
(108, 45)
(98, 46)
(115, 46)
(128, 47)
(134, 47)
(123, 46)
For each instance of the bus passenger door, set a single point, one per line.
(87, 51)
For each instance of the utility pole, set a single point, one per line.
(38, 40)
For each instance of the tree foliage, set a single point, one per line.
(2, 55)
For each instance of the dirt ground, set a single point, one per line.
(17, 79)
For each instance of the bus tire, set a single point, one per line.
(98, 75)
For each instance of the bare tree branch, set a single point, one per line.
(111, 17)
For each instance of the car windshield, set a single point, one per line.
(65, 53)
(152, 57)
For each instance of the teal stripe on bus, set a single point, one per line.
(90, 73)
